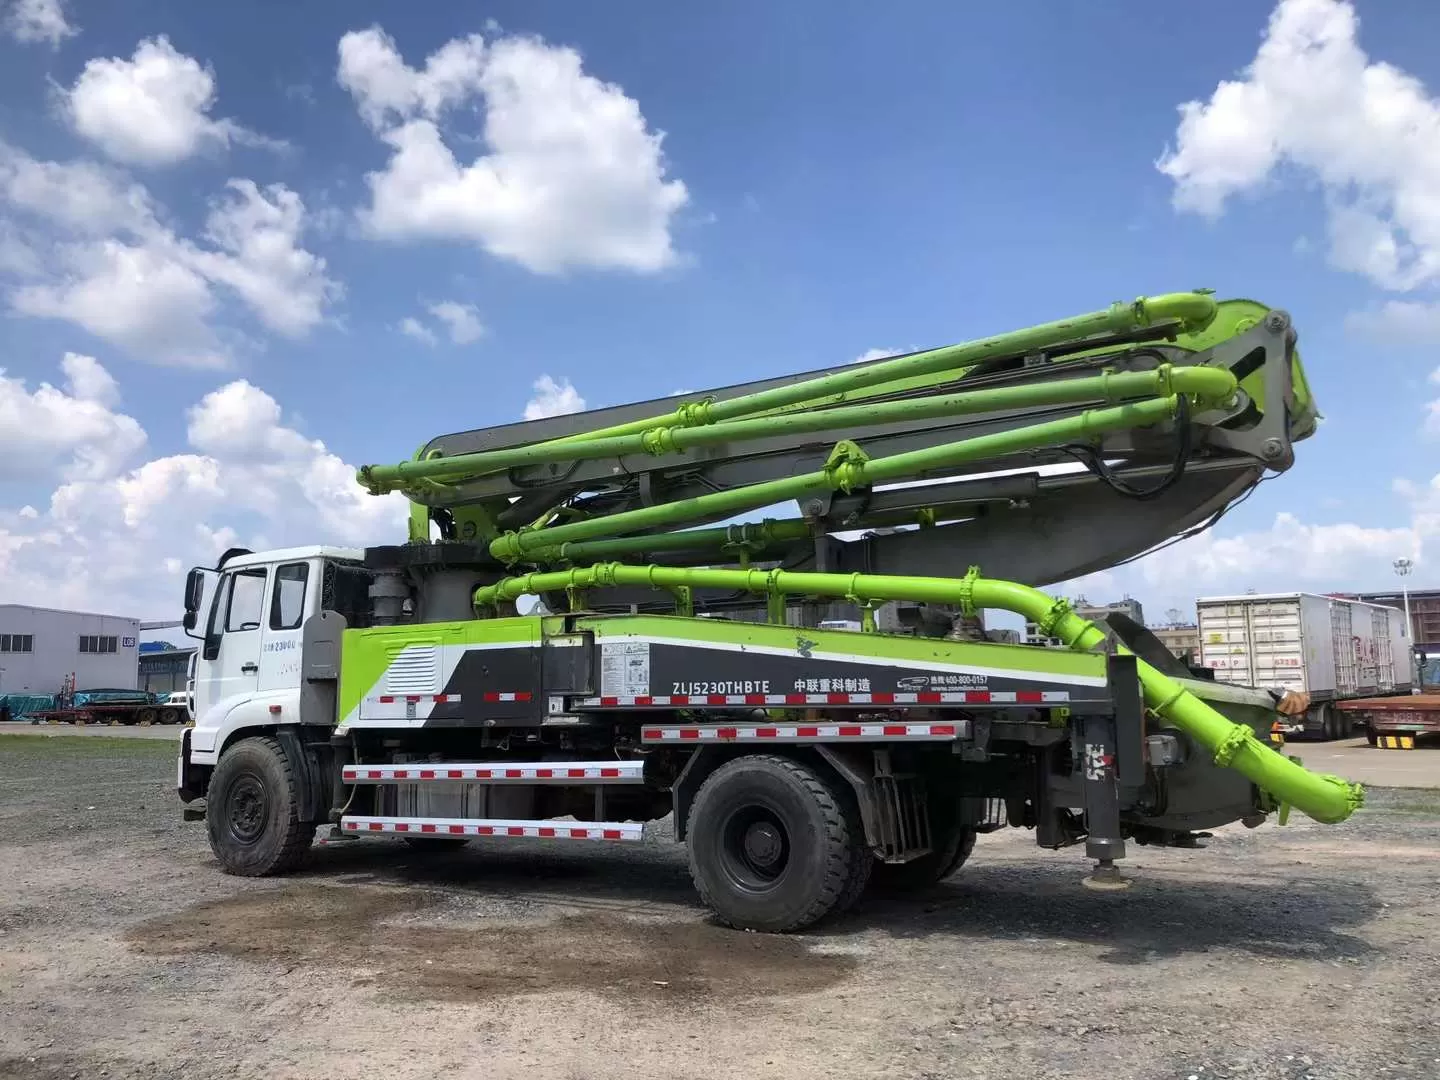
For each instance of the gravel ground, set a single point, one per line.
(94, 731)
(1275, 954)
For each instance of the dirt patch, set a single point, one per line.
(382, 932)
(1274, 954)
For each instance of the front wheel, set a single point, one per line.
(252, 811)
(774, 846)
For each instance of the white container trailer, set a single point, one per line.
(1327, 648)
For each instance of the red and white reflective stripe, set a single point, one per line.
(531, 829)
(554, 772)
(490, 697)
(948, 697)
(809, 733)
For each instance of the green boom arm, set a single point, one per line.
(1173, 406)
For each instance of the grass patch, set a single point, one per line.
(84, 746)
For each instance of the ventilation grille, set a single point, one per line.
(413, 669)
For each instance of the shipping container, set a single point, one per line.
(1331, 649)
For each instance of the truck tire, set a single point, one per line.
(939, 863)
(252, 811)
(773, 846)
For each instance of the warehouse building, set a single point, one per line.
(164, 668)
(40, 648)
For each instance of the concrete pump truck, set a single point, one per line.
(581, 635)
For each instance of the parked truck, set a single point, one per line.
(1329, 649)
(561, 650)
(113, 707)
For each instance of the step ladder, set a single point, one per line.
(578, 773)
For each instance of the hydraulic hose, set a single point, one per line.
(1325, 798)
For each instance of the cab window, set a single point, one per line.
(247, 600)
(287, 600)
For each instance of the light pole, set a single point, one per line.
(1403, 567)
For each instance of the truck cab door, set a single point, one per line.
(230, 656)
(293, 590)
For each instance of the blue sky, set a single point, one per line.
(203, 205)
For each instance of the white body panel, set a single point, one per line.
(1327, 648)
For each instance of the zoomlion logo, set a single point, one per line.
(913, 682)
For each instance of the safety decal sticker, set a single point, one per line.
(625, 669)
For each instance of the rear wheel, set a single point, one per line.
(252, 811)
(943, 860)
(774, 846)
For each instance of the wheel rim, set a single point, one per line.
(754, 849)
(246, 809)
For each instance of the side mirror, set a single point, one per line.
(195, 599)
(194, 593)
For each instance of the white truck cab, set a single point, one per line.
(247, 669)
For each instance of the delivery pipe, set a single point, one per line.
(1324, 798)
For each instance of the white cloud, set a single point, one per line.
(1313, 101)
(32, 21)
(883, 353)
(260, 257)
(93, 250)
(553, 399)
(142, 297)
(413, 327)
(1432, 409)
(70, 431)
(461, 319)
(78, 195)
(1399, 322)
(246, 477)
(88, 381)
(153, 109)
(572, 176)
(1292, 551)
(386, 89)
